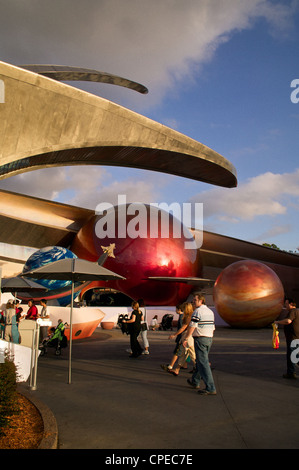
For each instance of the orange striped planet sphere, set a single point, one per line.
(248, 294)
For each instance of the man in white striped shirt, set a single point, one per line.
(202, 328)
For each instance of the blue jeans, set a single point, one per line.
(202, 346)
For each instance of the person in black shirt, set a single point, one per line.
(135, 326)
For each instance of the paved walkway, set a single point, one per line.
(115, 402)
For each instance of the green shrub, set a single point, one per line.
(8, 392)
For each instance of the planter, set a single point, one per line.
(50, 431)
(107, 325)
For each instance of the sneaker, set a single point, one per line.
(206, 392)
(166, 367)
(145, 352)
(192, 384)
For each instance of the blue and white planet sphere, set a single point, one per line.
(45, 256)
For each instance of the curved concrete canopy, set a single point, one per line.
(46, 123)
(67, 74)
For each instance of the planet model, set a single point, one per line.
(143, 249)
(58, 290)
(248, 294)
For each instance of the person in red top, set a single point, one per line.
(32, 312)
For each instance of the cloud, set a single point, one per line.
(108, 190)
(158, 43)
(162, 44)
(46, 184)
(273, 232)
(265, 195)
(87, 186)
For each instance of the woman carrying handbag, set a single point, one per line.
(135, 327)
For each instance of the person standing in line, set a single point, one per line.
(19, 309)
(291, 331)
(43, 315)
(15, 335)
(135, 323)
(32, 313)
(10, 312)
(202, 328)
(2, 324)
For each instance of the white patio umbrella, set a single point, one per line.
(75, 270)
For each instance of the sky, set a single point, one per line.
(218, 71)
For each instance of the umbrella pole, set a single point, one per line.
(71, 335)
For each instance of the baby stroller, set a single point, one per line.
(56, 339)
(166, 323)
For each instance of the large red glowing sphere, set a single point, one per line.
(143, 249)
(248, 294)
